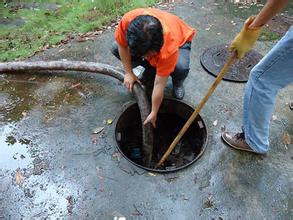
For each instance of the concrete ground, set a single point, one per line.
(51, 166)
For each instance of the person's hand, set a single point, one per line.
(152, 118)
(129, 80)
(245, 40)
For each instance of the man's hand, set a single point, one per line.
(152, 118)
(245, 40)
(129, 80)
(157, 97)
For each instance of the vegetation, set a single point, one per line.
(43, 26)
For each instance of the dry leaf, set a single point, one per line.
(152, 174)
(75, 85)
(24, 113)
(98, 130)
(19, 178)
(81, 39)
(116, 156)
(223, 128)
(215, 122)
(286, 138)
(61, 50)
(94, 138)
(81, 94)
(66, 97)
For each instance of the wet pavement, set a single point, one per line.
(52, 166)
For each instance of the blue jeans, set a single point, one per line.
(272, 73)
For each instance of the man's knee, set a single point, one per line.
(114, 50)
(180, 72)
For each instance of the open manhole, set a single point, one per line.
(214, 58)
(172, 116)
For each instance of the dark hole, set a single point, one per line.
(129, 133)
(249, 66)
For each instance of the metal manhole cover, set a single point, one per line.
(214, 58)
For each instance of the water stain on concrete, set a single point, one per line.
(14, 153)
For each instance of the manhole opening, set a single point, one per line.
(171, 118)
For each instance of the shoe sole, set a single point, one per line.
(237, 148)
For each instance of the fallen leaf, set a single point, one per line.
(116, 156)
(61, 50)
(81, 94)
(209, 203)
(19, 178)
(215, 122)
(98, 130)
(152, 174)
(66, 97)
(75, 85)
(81, 39)
(286, 138)
(94, 138)
(223, 128)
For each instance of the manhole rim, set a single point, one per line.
(203, 147)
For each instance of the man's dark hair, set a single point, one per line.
(144, 33)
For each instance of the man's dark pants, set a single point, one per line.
(179, 74)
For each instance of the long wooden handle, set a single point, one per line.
(224, 70)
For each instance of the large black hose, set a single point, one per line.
(139, 93)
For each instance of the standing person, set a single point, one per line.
(158, 41)
(272, 73)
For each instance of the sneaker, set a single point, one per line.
(237, 141)
(178, 89)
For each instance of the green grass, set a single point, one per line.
(269, 36)
(47, 27)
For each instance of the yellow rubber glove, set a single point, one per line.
(245, 40)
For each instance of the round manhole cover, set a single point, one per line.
(172, 116)
(214, 58)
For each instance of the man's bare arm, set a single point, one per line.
(129, 78)
(157, 97)
(271, 8)
(125, 59)
(158, 92)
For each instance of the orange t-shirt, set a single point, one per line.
(176, 33)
